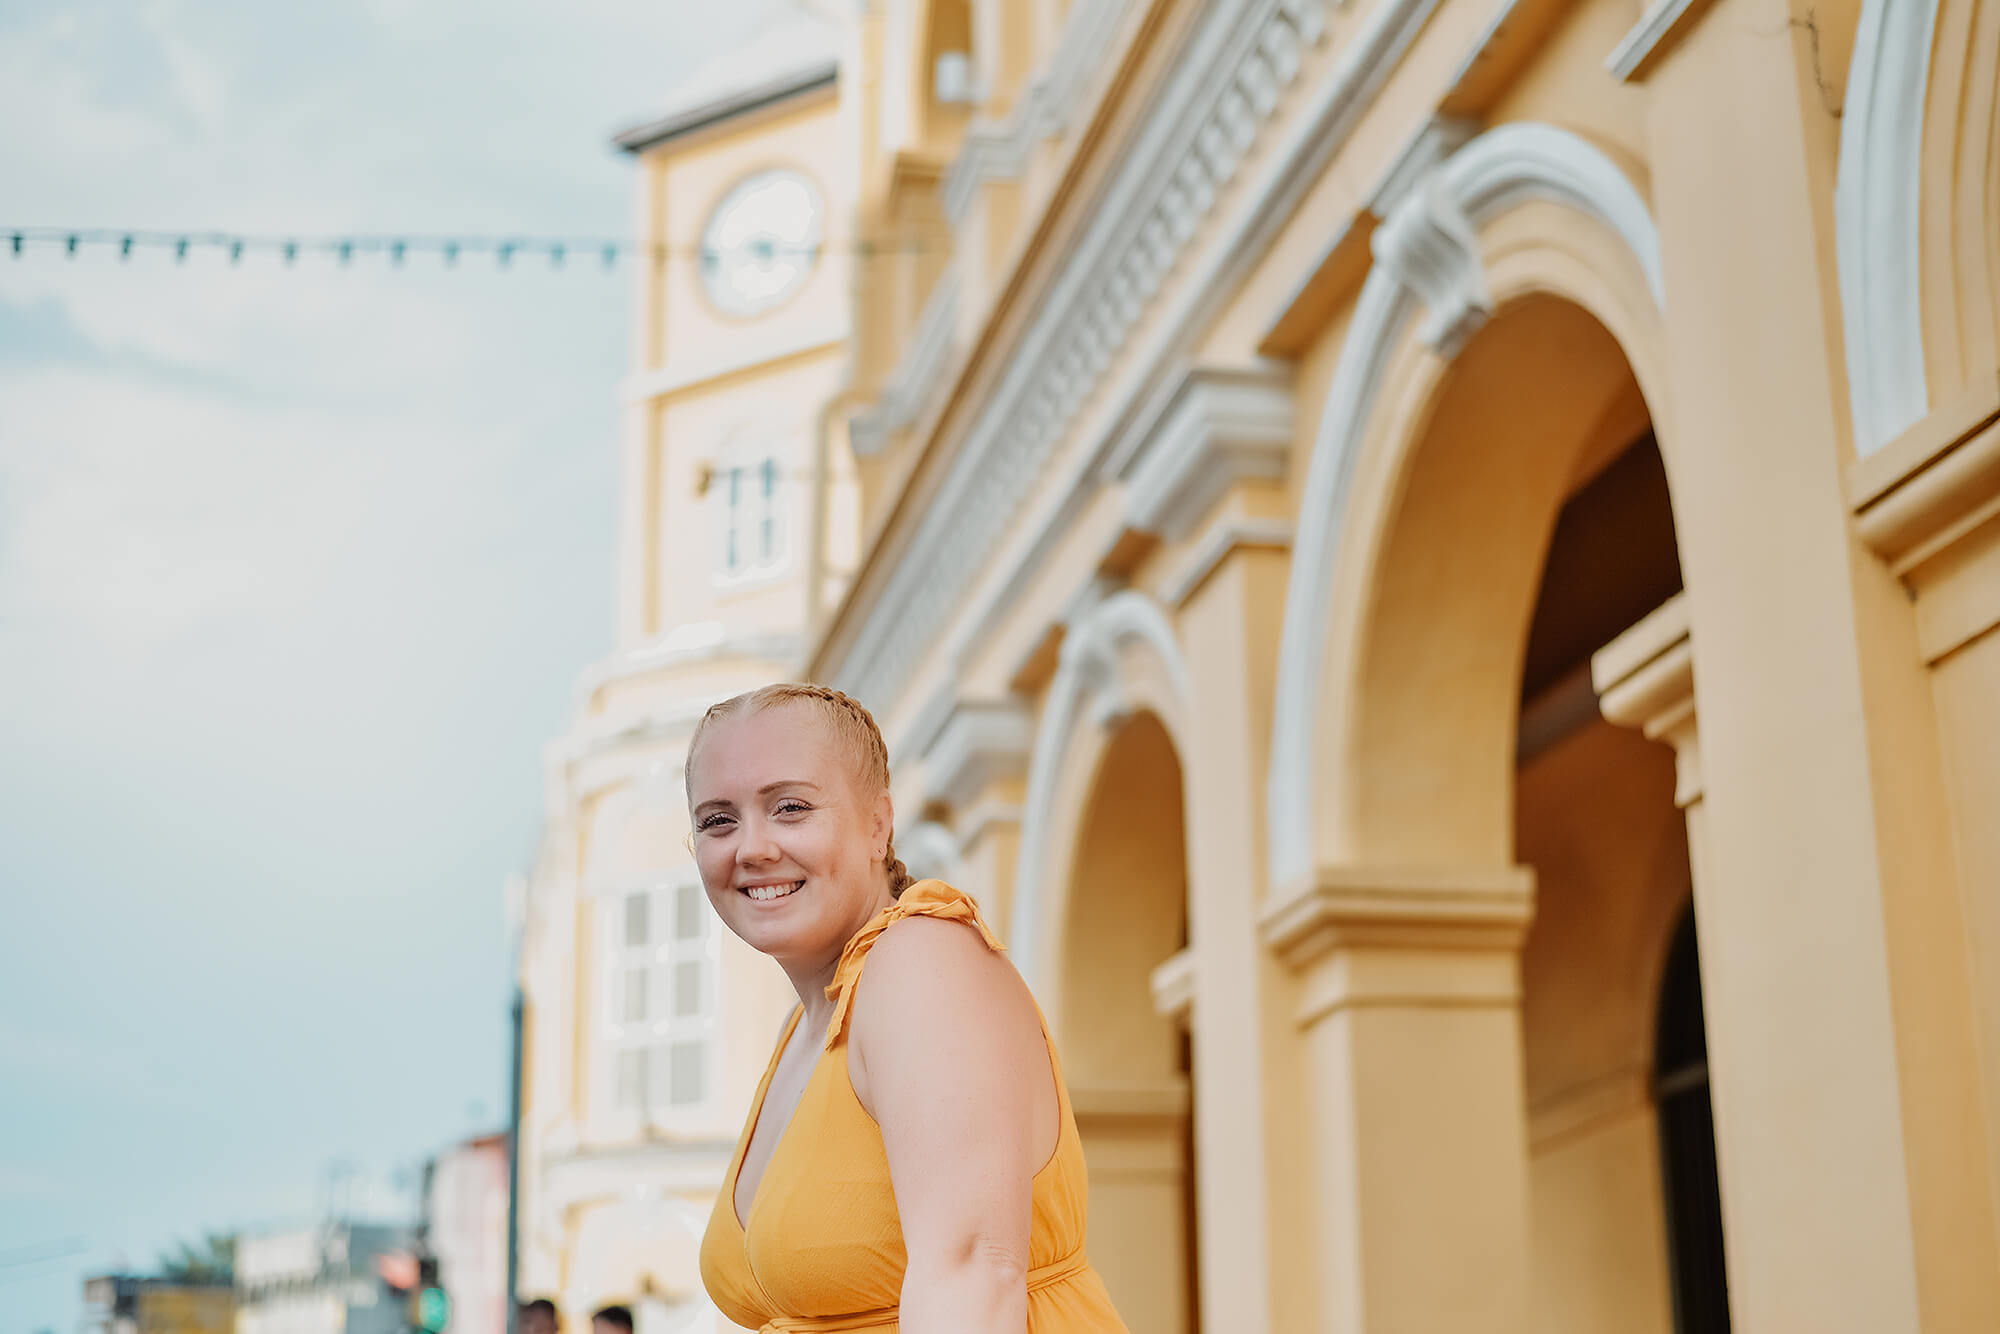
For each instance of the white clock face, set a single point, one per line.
(762, 241)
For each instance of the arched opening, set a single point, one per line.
(1626, 1222)
(1596, 819)
(1526, 523)
(1127, 1063)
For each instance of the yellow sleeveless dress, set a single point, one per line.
(822, 1249)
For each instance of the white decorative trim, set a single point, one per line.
(1425, 152)
(1225, 535)
(1218, 427)
(1638, 45)
(1173, 987)
(1088, 687)
(917, 376)
(688, 643)
(1877, 212)
(1526, 160)
(1000, 151)
(1430, 246)
(1213, 107)
(732, 356)
(930, 851)
(1493, 173)
(979, 743)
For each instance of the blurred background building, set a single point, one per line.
(646, 1026)
(463, 1232)
(1433, 564)
(333, 1277)
(132, 1304)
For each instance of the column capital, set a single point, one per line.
(965, 746)
(1400, 907)
(1173, 984)
(1645, 680)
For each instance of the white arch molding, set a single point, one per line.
(1426, 254)
(1089, 689)
(930, 852)
(1878, 219)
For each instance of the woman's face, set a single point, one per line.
(787, 844)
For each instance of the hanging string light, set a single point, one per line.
(344, 250)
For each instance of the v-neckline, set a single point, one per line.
(757, 1118)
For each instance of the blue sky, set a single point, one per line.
(297, 569)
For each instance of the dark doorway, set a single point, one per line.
(1687, 1145)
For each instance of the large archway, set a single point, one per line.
(1128, 1063)
(1484, 1073)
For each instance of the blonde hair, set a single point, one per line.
(853, 727)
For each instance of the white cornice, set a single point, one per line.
(918, 375)
(1216, 428)
(1221, 94)
(980, 742)
(684, 1167)
(1636, 48)
(1228, 533)
(999, 151)
(685, 645)
(1877, 210)
(1425, 151)
(778, 345)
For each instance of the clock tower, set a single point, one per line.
(646, 1024)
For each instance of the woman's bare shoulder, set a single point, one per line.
(928, 978)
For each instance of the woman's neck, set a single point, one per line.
(811, 977)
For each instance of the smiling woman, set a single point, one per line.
(938, 1183)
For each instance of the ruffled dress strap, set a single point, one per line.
(925, 898)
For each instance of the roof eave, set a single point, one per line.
(758, 97)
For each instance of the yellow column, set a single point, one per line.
(1256, 1261)
(1136, 1138)
(1833, 942)
(1410, 1028)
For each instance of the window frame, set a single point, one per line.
(658, 959)
(751, 512)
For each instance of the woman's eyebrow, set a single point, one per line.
(783, 783)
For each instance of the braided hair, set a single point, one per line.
(851, 723)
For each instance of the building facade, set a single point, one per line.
(134, 1304)
(464, 1231)
(646, 1026)
(1434, 564)
(334, 1277)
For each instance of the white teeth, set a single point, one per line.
(763, 893)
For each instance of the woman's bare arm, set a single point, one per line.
(947, 1055)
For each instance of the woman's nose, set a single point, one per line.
(754, 845)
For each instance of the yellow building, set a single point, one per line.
(128, 1304)
(1434, 564)
(646, 1026)
(1375, 515)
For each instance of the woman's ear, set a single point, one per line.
(884, 828)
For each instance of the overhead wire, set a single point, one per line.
(397, 247)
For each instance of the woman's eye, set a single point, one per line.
(712, 822)
(792, 808)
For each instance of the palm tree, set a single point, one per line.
(212, 1260)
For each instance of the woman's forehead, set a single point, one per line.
(782, 742)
